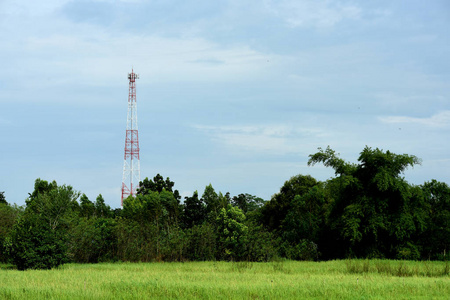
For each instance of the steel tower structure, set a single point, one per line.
(131, 164)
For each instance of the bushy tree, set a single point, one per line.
(35, 245)
(231, 233)
(212, 202)
(158, 211)
(247, 202)
(260, 245)
(194, 211)
(276, 210)
(102, 210)
(87, 208)
(306, 216)
(8, 217)
(158, 184)
(376, 211)
(93, 240)
(2, 198)
(38, 239)
(136, 241)
(303, 225)
(159, 207)
(201, 242)
(436, 238)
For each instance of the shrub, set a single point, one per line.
(34, 245)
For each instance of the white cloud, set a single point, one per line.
(95, 57)
(319, 14)
(48, 50)
(441, 119)
(265, 139)
(31, 8)
(225, 63)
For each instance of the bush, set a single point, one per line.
(304, 250)
(34, 245)
(408, 252)
(201, 242)
(8, 216)
(260, 244)
(93, 240)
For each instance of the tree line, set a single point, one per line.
(367, 210)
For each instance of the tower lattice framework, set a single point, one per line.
(131, 164)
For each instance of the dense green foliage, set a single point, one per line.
(38, 240)
(343, 279)
(2, 198)
(8, 217)
(368, 210)
(376, 213)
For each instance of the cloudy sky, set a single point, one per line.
(232, 93)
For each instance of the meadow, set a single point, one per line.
(340, 279)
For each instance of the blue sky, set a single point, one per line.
(232, 93)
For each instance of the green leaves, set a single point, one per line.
(275, 211)
(38, 239)
(375, 208)
(436, 237)
(158, 184)
(161, 208)
(330, 159)
(8, 217)
(367, 210)
(93, 240)
(2, 198)
(351, 220)
(231, 232)
(35, 245)
(194, 211)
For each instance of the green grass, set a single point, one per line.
(356, 279)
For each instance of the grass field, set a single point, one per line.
(356, 279)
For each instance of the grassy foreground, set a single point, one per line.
(375, 279)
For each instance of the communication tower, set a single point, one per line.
(131, 164)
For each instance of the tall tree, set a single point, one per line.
(212, 201)
(2, 198)
(101, 208)
(306, 216)
(232, 233)
(194, 211)
(93, 240)
(87, 208)
(436, 239)
(276, 210)
(373, 210)
(40, 187)
(247, 202)
(158, 184)
(8, 217)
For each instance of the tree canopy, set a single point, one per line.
(366, 210)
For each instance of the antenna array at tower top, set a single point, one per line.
(133, 76)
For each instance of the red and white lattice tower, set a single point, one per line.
(131, 164)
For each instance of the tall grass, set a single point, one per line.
(224, 280)
(399, 268)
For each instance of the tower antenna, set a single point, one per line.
(131, 164)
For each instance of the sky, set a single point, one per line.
(236, 94)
